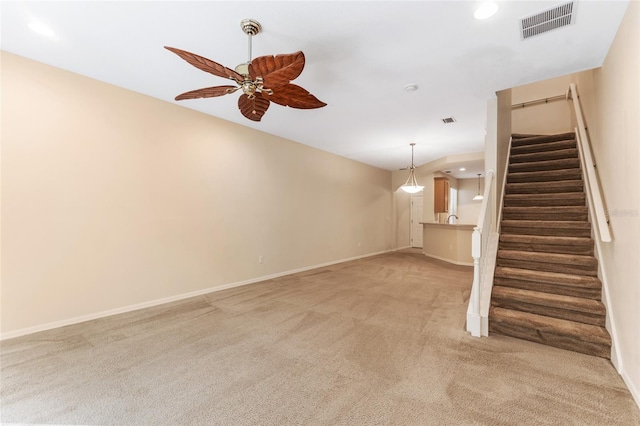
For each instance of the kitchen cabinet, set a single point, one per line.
(440, 195)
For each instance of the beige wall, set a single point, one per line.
(402, 203)
(610, 96)
(504, 130)
(469, 210)
(112, 199)
(551, 118)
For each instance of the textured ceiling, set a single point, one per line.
(360, 55)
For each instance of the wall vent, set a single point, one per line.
(448, 120)
(550, 19)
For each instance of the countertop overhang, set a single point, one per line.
(456, 226)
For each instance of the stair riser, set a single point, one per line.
(544, 156)
(535, 166)
(545, 176)
(540, 147)
(546, 338)
(548, 248)
(557, 232)
(586, 292)
(549, 311)
(548, 267)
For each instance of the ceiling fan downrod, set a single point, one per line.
(250, 27)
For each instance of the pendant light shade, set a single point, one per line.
(411, 185)
(479, 196)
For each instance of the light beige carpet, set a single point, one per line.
(378, 341)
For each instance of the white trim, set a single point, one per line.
(631, 386)
(401, 248)
(455, 262)
(149, 304)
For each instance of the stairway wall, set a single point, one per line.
(551, 118)
(610, 98)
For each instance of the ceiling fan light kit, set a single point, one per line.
(411, 185)
(262, 80)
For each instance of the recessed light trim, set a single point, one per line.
(411, 87)
(486, 10)
(462, 169)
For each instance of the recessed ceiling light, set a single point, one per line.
(462, 169)
(411, 87)
(486, 10)
(41, 28)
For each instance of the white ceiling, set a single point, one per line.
(359, 57)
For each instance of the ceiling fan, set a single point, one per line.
(262, 80)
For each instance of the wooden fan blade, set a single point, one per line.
(295, 97)
(207, 65)
(277, 70)
(254, 108)
(207, 92)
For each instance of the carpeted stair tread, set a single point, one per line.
(580, 309)
(550, 262)
(575, 185)
(547, 243)
(563, 163)
(546, 287)
(585, 338)
(544, 155)
(545, 146)
(577, 213)
(556, 224)
(544, 176)
(542, 139)
(542, 200)
(570, 280)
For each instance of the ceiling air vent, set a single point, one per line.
(448, 120)
(547, 20)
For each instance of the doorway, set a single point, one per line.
(416, 218)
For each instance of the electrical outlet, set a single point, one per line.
(261, 259)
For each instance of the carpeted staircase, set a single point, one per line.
(546, 287)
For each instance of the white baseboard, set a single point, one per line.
(156, 302)
(632, 387)
(455, 262)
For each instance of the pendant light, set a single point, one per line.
(411, 185)
(479, 196)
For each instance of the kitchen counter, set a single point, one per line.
(448, 242)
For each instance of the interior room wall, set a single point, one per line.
(468, 209)
(610, 97)
(112, 199)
